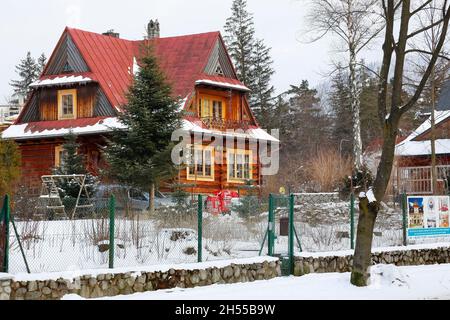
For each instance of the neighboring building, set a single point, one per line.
(82, 89)
(413, 155)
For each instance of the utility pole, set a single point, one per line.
(433, 135)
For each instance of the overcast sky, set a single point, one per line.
(36, 26)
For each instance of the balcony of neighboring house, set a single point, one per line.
(418, 180)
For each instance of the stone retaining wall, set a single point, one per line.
(327, 262)
(110, 284)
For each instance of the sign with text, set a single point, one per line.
(428, 216)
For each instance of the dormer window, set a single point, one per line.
(67, 104)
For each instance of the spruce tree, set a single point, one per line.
(260, 99)
(240, 39)
(27, 70)
(339, 100)
(41, 62)
(139, 156)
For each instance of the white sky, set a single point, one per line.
(36, 26)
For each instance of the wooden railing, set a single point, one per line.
(224, 124)
(418, 180)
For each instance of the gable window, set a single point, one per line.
(67, 104)
(219, 71)
(211, 108)
(239, 166)
(200, 163)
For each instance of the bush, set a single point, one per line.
(327, 169)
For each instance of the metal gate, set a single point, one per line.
(281, 233)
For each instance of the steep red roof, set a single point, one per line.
(111, 59)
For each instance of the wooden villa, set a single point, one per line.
(83, 88)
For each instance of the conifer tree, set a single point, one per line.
(140, 155)
(240, 40)
(73, 162)
(260, 98)
(41, 62)
(27, 70)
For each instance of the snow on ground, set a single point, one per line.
(387, 282)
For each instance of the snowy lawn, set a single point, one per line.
(387, 282)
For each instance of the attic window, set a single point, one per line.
(219, 71)
(67, 68)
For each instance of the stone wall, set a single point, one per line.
(110, 284)
(342, 262)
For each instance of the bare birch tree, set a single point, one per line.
(401, 30)
(356, 23)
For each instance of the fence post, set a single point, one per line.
(270, 228)
(404, 214)
(352, 221)
(291, 234)
(199, 228)
(6, 211)
(112, 207)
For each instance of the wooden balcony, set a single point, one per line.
(224, 124)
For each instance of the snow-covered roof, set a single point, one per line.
(409, 147)
(34, 130)
(422, 148)
(223, 84)
(252, 133)
(61, 80)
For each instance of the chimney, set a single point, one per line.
(153, 29)
(111, 33)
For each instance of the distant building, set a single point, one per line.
(413, 154)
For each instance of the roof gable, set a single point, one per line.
(65, 58)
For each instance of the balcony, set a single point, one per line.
(224, 124)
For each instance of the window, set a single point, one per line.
(211, 108)
(219, 71)
(200, 163)
(59, 156)
(67, 104)
(239, 165)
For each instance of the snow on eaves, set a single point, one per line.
(255, 133)
(409, 147)
(63, 80)
(420, 148)
(222, 84)
(19, 131)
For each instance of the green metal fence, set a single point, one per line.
(4, 235)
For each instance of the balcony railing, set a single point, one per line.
(418, 180)
(224, 124)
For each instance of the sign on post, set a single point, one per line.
(428, 216)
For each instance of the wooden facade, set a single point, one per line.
(86, 80)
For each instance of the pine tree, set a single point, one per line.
(240, 39)
(339, 100)
(260, 99)
(140, 155)
(72, 162)
(27, 70)
(41, 62)
(10, 165)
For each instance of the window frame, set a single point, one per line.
(59, 150)
(67, 92)
(235, 153)
(210, 108)
(197, 176)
